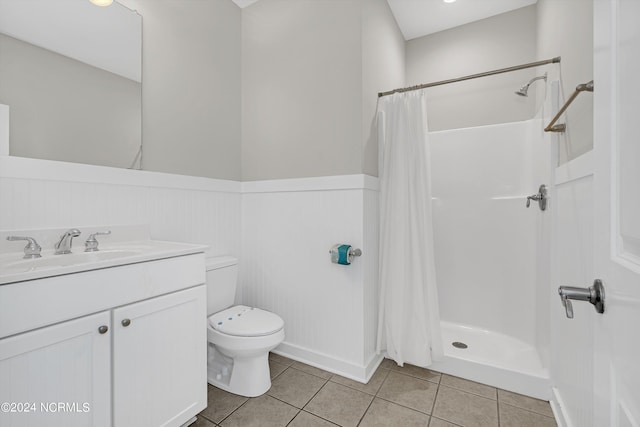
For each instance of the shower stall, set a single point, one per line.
(492, 245)
(491, 253)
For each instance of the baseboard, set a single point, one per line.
(344, 368)
(557, 406)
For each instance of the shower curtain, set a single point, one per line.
(408, 317)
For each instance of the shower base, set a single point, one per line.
(493, 358)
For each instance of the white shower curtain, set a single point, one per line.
(409, 320)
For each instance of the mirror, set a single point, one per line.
(70, 74)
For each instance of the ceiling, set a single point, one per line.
(417, 18)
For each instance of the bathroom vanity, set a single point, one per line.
(117, 339)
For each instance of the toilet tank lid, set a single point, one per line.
(220, 262)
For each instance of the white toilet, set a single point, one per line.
(239, 337)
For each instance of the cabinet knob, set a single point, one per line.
(103, 329)
(126, 322)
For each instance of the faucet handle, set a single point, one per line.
(32, 250)
(91, 245)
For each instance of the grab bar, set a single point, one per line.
(552, 127)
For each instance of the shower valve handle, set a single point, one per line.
(540, 197)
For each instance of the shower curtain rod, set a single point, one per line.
(472, 76)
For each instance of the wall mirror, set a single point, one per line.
(70, 74)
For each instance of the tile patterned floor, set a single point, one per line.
(304, 396)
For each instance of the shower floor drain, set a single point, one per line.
(458, 344)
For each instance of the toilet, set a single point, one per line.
(239, 337)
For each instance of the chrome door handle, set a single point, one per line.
(593, 294)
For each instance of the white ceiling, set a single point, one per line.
(417, 18)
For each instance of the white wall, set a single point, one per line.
(500, 41)
(45, 194)
(310, 75)
(191, 87)
(288, 227)
(565, 28)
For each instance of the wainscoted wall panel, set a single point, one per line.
(371, 226)
(195, 211)
(286, 268)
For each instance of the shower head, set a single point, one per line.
(524, 89)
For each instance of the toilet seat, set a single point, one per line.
(243, 321)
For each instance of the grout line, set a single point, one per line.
(528, 410)
(295, 416)
(433, 406)
(449, 422)
(418, 378)
(498, 405)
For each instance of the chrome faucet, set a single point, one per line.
(64, 244)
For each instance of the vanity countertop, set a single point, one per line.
(13, 268)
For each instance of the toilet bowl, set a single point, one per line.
(239, 337)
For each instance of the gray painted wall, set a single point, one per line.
(496, 42)
(565, 28)
(309, 85)
(191, 87)
(63, 109)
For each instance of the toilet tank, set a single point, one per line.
(222, 278)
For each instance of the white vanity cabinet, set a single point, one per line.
(68, 363)
(158, 354)
(122, 346)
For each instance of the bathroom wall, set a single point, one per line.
(38, 194)
(288, 227)
(191, 87)
(565, 28)
(497, 42)
(310, 74)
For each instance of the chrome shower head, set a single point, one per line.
(524, 89)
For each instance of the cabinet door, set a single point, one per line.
(59, 375)
(160, 360)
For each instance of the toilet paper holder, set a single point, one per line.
(344, 254)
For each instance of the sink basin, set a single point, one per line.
(52, 261)
(13, 268)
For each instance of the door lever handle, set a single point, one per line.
(593, 294)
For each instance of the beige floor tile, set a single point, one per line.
(339, 404)
(465, 409)
(418, 372)
(408, 391)
(263, 411)
(305, 419)
(371, 387)
(203, 422)
(525, 402)
(436, 422)
(295, 387)
(510, 416)
(469, 386)
(220, 404)
(276, 368)
(280, 359)
(383, 414)
(312, 370)
(387, 364)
